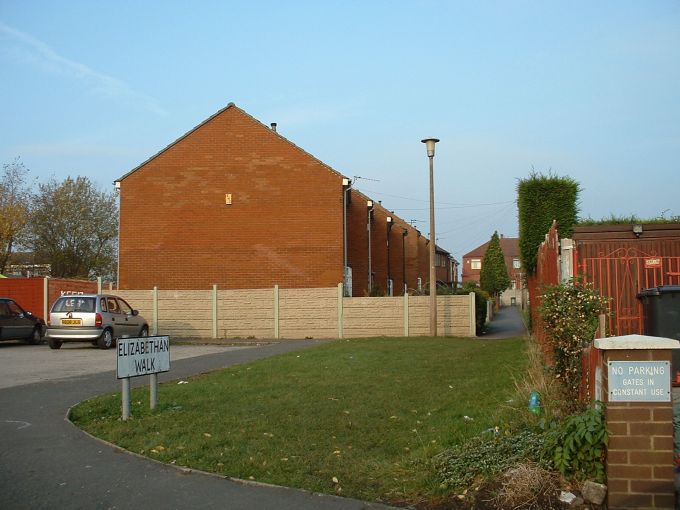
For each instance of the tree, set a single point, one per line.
(15, 198)
(74, 228)
(494, 275)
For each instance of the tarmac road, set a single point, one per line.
(47, 463)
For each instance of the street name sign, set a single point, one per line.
(639, 381)
(143, 356)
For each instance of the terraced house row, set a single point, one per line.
(234, 203)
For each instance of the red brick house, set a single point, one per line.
(472, 266)
(234, 203)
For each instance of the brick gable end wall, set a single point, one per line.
(284, 225)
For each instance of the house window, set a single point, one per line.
(516, 264)
(476, 264)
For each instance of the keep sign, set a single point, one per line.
(143, 356)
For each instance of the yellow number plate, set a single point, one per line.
(71, 322)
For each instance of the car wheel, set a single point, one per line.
(35, 337)
(106, 340)
(144, 331)
(54, 343)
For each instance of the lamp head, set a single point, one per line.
(429, 144)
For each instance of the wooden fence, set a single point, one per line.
(297, 313)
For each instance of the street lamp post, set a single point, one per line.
(429, 144)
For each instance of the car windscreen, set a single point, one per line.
(74, 304)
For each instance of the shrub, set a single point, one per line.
(570, 314)
(576, 446)
(481, 297)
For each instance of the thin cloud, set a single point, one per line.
(72, 149)
(37, 52)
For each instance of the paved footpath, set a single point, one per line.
(507, 323)
(47, 463)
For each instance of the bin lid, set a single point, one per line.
(657, 291)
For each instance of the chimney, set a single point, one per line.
(274, 127)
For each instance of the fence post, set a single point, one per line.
(214, 311)
(277, 333)
(154, 297)
(46, 298)
(99, 284)
(406, 313)
(341, 311)
(473, 314)
(602, 328)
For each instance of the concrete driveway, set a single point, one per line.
(24, 364)
(47, 463)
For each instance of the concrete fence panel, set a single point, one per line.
(296, 313)
(308, 313)
(185, 313)
(245, 313)
(373, 316)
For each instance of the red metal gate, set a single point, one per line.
(620, 275)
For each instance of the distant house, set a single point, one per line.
(472, 267)
(25, 264)
(234, 203)
(446, 268)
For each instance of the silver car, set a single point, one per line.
(96, 318)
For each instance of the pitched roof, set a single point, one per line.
(219, 112)
(232, 105)
(509, 245)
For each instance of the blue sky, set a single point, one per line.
(585, 89)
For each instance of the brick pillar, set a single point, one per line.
(635, 378)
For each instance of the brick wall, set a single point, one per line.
(28, 292)
(60, 286)
(640, 453)
(417, 255)
(284, 224)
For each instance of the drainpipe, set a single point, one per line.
(390, 224)
(403, 258)
(346, 186)
(369, 206)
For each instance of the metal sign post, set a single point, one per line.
(142, 356)
(126, 398)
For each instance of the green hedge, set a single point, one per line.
(481, 297)
(540, 200)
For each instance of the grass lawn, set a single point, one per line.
(358, 418)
